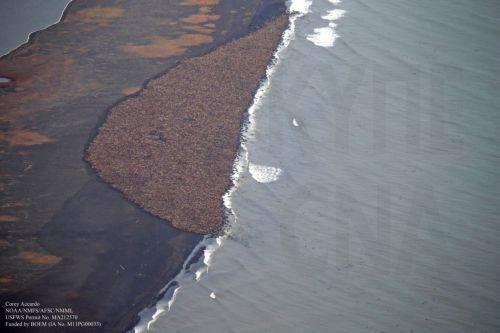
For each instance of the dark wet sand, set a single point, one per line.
(171, 148)
(67, 238)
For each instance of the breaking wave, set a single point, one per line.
(209, 245)
(326, 36)
(263, 173)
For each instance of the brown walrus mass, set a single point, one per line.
(171, 148)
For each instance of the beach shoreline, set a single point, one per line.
(68, 239)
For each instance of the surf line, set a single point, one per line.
(211, 244)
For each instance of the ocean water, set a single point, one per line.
(19, 18)
(367, 193)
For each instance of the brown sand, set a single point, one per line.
(24, 138)
(171, 148)
(8, 218)
(39, 258)
(62, 83)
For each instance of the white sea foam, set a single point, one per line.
(155, 316)
(335, 2)
(295, 122)
(161, 310)
(174, 296)
(300, 6)
(263, 173)
(208, 253)
(163, 306)
(199, 273)
(334, 14)
(326, 36)
(211, 246)
(323, 37)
